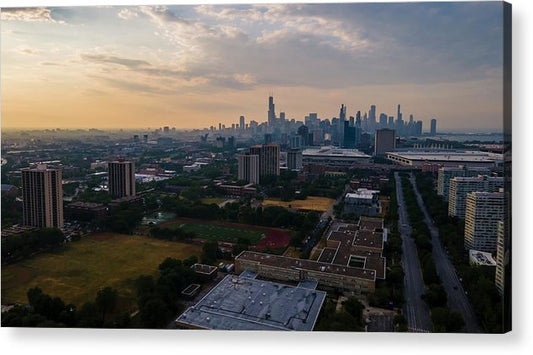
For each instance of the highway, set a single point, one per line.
(415, 310)
(457, 299)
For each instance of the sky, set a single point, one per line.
(191, 66)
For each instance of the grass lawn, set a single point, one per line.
(221, 233)
(312, 203)
(77, 273)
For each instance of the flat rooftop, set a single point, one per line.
(305, 264)
(449, 155)
(363, 240)
(334, 152)
(241, 303)
(481, 258)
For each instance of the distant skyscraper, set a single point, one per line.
(483, 212)
(399, 114)
(385, 141)
(433, 131)
(42, 193)
(349, 136)
(372, 118)
(248, 168)
(418, 128)
(121, 178)
(303, 132)
(342, 119)
(399, 122)
(241, 123)
(271, 112)
(382, 120)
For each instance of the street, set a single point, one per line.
(457, 299)
(415, 310)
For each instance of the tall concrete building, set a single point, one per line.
(483, 212)
(445, 174)
(294, 159)
(248, 169)
(461, 186)
(268, 159)
(385, 141)
(42, 193)
(121, 178)
(433, 128)
(501, 259)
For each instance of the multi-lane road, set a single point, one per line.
(457, 299)
(415, 310)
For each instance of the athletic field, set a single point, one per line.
(311, 203)
(261, 237)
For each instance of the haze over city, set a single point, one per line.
(195, 66)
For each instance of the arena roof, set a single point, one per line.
(447, 156)
(333, 152)
(241, 303)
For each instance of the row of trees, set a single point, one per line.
(19, 246)
(389, 292)
(159, 298)
(444, 319)
(477, 280)
(172, 234)
(242, 212)
(44, 310)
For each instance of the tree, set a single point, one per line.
(106, 301)
(354, 308)
(88, 316)
(155, 313)
(435, 296)
(209, 252)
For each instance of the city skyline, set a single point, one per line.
(195, 66)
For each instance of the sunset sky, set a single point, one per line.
(195, 66)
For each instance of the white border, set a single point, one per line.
(68, 341)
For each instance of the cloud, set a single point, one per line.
(39, 14)
(29, 51)
(106, 59)
(127, 14)
(49, 64)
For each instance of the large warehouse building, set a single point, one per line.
(445, 158)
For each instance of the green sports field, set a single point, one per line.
(229, 234)
(77, 273)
